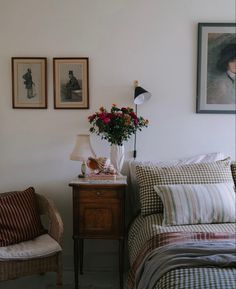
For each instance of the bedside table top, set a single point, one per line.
(118, 180)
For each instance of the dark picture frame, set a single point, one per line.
(71, 83)
(215, 76)
(29, 82)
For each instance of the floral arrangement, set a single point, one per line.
(117, 125)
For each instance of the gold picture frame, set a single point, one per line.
(29, 82)
(71, 83)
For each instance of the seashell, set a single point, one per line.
(101, 165)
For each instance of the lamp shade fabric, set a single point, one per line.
(83, 149)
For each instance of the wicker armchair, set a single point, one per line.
(11, 269)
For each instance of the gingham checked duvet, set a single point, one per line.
(145, 228)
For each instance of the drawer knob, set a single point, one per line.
(98, 193)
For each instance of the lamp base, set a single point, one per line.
(83, 170)
(80, 176)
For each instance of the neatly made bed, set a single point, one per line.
(146, 228)
(195, 254)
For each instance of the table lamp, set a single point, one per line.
(82, 151)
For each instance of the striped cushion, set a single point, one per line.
(19, 217)
(197, 204)
(201, 173)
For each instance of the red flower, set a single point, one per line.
(106, 120)
(124, 109)
(136, 121)
(102, 115)
(92, 117)
(111, 115)
(133, 115)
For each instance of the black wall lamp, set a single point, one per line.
(140, 96)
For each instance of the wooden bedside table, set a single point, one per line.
(98, 213)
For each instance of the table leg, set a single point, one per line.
(121, 262)
(76, 262)
(81, 255)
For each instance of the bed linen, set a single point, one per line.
(147, 228)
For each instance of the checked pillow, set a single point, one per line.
(201, 173)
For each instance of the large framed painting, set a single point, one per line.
(71, 83)
(216, 75)
(29, 82)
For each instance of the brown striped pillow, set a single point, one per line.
(19, 217)
(197, 204)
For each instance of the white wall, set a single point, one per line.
(153, 41)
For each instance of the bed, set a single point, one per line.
(185, 250)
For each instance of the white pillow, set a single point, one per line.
(186, 204)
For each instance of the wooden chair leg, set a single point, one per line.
(59, 273)
(59, 280)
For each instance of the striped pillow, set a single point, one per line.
(197, 204)
(19, 217)
(201, 173)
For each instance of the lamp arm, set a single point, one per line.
(135, 151)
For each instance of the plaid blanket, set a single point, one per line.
(172, 238)
(144, 228)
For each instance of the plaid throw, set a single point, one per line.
(173, 238)
(144, 228)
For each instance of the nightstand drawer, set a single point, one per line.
(98, 193)
(100, 220)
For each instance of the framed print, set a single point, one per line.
(71, 83)
(29, 82)
(216, 73)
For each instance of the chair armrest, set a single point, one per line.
(47, 207)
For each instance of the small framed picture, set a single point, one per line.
(29, 82)
(216, 75)
(71, 83)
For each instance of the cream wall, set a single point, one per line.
(153, 41)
